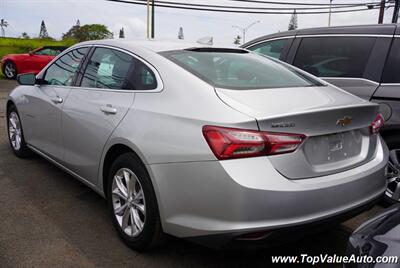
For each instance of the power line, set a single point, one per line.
(305, 4)
(227, 10)
(255, 8)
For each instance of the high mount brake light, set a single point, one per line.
(377, 124)
(230, 143)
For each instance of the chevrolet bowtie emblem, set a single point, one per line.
(344, 121)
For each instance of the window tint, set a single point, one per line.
(112, 69)
(270, 48)
(334, 56)
(43, 51)
(49, 51)
(239, 70)
(62, 72)
(392, 68)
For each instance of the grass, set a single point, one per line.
(18, 45)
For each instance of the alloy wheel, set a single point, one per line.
(9, 70)
(129, 202)
(14, 131)
(393, 176)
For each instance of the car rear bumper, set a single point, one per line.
(235, 197)
(280, 235)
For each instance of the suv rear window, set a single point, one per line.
(272, 48)
(238, 69)
(334, 56)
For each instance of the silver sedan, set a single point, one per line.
(215, 145)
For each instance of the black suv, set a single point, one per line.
(364, 60)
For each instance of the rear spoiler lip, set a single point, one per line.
(216, 49)
(361, 103)
(319, 110)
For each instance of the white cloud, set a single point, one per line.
(134, 28)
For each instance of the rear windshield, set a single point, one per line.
(239, 70)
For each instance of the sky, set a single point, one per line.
(60, 15)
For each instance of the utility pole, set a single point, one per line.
(381, 11)
(330, 13)
(152, 19)
(396, 11)
(148, 19)
(245, 29)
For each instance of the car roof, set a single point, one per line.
(373, 29)
(153, 45)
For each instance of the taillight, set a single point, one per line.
(377, 124)
(228, 143)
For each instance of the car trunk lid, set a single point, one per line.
(335, 122)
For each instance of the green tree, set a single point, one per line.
(43, 31)
(73, 33)
(180, 34)
(24, 35)
(237, 40)
(122, 33)
(3, 24)
(293, 21)
(88, 32)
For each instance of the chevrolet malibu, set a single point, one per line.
(215, 145)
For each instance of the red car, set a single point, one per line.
(32, 62)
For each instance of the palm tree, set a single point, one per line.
(3, 24)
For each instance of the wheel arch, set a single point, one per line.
(112, 151)
(9, 60)
(111, 154)
(391, 137)
(9, 104)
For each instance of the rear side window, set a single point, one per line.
(112, 69)
(334, 56)
(391, 73)
(270, 48)
(63, 71)
(240, 70)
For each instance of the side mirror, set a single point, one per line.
(26, 79)
(30, 53)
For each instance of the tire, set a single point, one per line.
(123, 205)
(392, 194)
(16, 134)
(10, 70)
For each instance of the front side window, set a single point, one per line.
(44, 51)
(112, 69)
(63, 71)
(49, 51)
(270, 48)
(239, 70)
(334, 56)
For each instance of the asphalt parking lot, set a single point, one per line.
(48, 219)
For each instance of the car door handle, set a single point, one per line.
(108, 109)
(57, 100)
